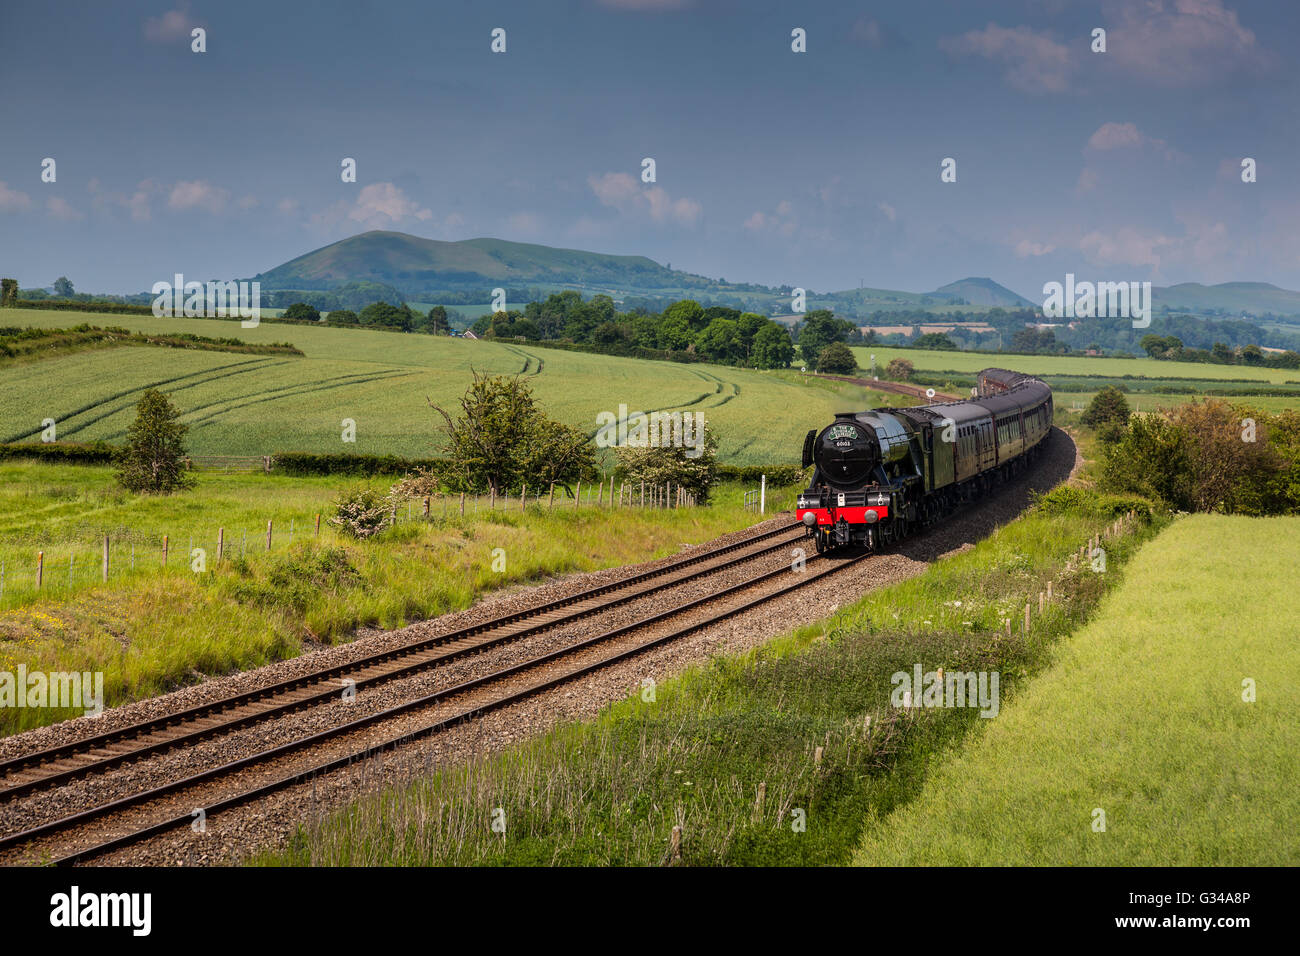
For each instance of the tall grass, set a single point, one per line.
(153, 630)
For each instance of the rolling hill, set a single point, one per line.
(414, 265)
(1232, 298)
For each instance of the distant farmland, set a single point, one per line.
(254, 405)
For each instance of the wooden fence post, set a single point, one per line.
(600, 495)
(462, 504)
(550, 505)
(164, 551)
(221, 543)
(643, 494)
(577, 496)
(492, 498)
(611, 491)
(318, 519)
(268, 533)
(523, 497)
(426, 510)
(40, 568)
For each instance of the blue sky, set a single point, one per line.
(818, 169)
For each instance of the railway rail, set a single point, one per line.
(53, 766)
(578, 606)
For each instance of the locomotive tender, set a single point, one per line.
(882, 473)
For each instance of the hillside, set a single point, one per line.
(1232, 298)
(986, 292)
(413, 264)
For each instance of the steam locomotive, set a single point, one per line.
(882, 473)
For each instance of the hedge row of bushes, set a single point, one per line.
(95, 453)
(69, 305)
(306, 464)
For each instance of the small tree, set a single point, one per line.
(836, 359)
(668, 463)
(361, 512)
(301, 310)
(1108, 407)
(436, 322)
(502, 439)
(899, 370)
(153, 459)
(63, 288)
(8, 292)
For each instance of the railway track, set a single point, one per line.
(493, 700)
(58, 765)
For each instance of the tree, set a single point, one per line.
(153, 459)
(772, 347)
(342, 317)
(934, 340)
(1222, 465)
(663, 463)
(1223, 354)
(899, 370)
(63, 288)
(8, 292)
(1150, 459)
(436, 322)
(502, 439)
(301, 310)
(820, 328)
(837, 359)
(391, 316)
(1108, 407)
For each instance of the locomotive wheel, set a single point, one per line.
(820, 538)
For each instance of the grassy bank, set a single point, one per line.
(610, 791)
(151, 629)
(1142, 717)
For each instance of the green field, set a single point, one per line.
(1141, 716)
(257, 405)
(931, 360)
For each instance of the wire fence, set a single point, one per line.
(63, 568)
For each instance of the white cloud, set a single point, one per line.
(11, 200)
(383, 204)
(197, 194)
(1026, 248)
(1126, 246)
(1182, 42)
(248, 202)
(136, 204)
(890, 212)
(1033, 61)
(1115, 136)
(62, 210)
(171, 26)
(622, 192)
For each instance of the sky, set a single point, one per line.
(818, 169)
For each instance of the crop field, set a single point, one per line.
(1144, 716)
(257, 405)
(931, 360)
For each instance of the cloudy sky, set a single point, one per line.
(819, 169)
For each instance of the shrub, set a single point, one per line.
(362, 512)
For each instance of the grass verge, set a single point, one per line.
(1143, 718)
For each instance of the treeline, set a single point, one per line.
(1171, 348)
(716, 334)
(20, 342)
(1211, 455)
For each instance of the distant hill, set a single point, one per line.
(432, 270)
(985, 292)
(1231, 298)
(417, 266)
